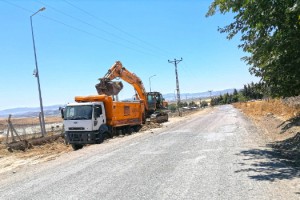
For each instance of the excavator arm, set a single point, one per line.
(106, 86)
(153, 101)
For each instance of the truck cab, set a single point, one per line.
(84, 123)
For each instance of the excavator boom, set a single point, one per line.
(153, 101)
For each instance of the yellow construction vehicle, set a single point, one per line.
(155, 106)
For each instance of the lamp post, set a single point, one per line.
(36, 74)
(150, 81)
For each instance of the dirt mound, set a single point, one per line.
(26, 144)
(32, 145)
(41, 151)
(150, 125)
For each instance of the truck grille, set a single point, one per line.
(82, 137)
(76, 128)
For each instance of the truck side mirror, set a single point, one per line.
(97, 111)
(62, 112)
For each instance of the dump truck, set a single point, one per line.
(91, 119)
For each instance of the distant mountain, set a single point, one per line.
(31, 112)
(171, 96)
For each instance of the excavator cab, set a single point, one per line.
(156, 105)
(155, 100)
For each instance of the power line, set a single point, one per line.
(99, 37)
(80, 30)
(25, 9)
(117, 28)
(93, 26)
(191, 73)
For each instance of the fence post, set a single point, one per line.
(11, 130)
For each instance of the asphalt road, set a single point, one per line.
(220, 155)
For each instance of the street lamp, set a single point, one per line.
(36, 74)
(150, 81)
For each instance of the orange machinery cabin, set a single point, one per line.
(118, 113)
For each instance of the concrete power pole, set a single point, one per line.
(177, 82)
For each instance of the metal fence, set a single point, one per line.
(26, 128)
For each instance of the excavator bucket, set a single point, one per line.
(108, 87)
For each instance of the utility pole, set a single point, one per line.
(175, 62)
(37, 75)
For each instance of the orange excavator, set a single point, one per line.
(155, 105)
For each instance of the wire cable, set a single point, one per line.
(80, 30)
(93, 26)
(119, 29)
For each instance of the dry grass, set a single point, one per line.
(271, 107)
(280, 120)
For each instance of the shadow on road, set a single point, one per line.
(286, 125)
(267, 165)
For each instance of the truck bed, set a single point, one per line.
(118, 113)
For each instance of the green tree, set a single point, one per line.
(220, 100)
(185, 104)
(172, 107)
(235, 92)
(235, 96)
(214, 101)
(270, 33)
(241, 98)
(253, 91)
(192, 104)
(203, 104)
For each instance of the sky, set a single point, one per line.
(78, 41)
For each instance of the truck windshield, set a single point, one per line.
(78, 112)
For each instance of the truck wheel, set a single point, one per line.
(100, 139)
(130, 130)
(77, 146)
(122, 131)
(109, 135)
(103, 136)
(106, 135)
(137, 128)
(127, 130)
